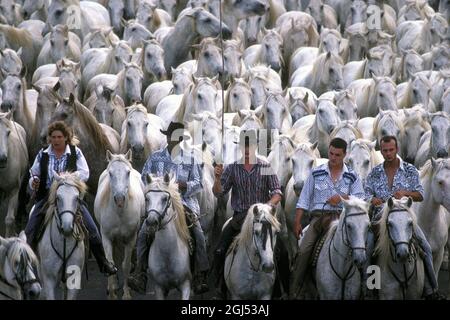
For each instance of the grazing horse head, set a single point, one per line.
(65, 195)
(19, 265)
(397, 226)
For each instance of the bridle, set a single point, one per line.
(266, 230)
(162, 214)
(397, 243)
(21, 276)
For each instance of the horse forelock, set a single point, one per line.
(347, 125)
(18, 249)
(245, 237)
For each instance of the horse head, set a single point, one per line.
(20, 266)
(119, 170)
(441, 181)
(158, 201)
(5, 131)
(303, 161)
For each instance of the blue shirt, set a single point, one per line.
(160, 163)
(406, 178)
(319, 187)
(56, 165)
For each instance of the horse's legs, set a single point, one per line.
(185, 290)
(159, 292)
(112, 280)
(11, 215)
(49, 287)
(126, 266)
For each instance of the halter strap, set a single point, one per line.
(163, 213)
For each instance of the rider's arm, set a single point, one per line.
(194, 184)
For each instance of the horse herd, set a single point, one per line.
(300, 72)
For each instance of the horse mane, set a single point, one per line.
(20, 37)
(246, 234)
(70, 178)
(87, 119)
(17, 249)
(347, 124)
(321, 64)
(382, 248)
(172, 189)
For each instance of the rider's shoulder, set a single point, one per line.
(319, 171)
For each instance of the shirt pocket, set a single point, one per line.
(322, 189)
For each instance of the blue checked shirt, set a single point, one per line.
(160, 163)
(406, 178)
(58, 165)
(319, 187)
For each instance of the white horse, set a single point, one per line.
(398, 258)
(388, 123)
(250, 264)
(238, 96)
(18, 269)
(362, 157)
(435, 142)
(141, 133)
(168, 258)
(301, 101)
(344, 254)
(13, 166)
(415, 125)
(432, 216)
(61, 247)
(119, 205)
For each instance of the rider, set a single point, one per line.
(396, 178)
(62, 155)
(322, 196)
(189, 176)
(252, 181)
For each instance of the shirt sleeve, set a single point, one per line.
(417, 186)
(194, 184)
(82, 166)
(146, 169)
(368, 188)
(357, 189)
(35, 170)
(227, 179)
(274, 184)
(306, 195)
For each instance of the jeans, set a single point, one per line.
(37, 217)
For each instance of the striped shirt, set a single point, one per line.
(160, 163)
(56, 166)
(249, 187)
(319, 187)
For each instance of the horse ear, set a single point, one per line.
(390, 203)
(314, 145)
(434, 163)
(410, 202)
(19, 52)
(372, 144)
(148, 178)
(167, 178)
(23, 236)
(3, 241)
(172, 69)
(23, 72)
(56, 86)
(259, 111)
(305, 98)
(129, 155)
(108, 155)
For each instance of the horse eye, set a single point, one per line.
(366, 162)
(149, 55)
(208, 20)
(206, 54)
(235, 95)
(58, 12)
(66, 42)
(133, 29)
(8, 133)
(129, 123)
(146, 124)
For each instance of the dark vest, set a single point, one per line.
(71, 166)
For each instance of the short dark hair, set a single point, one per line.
(387, 139)
(339, 144)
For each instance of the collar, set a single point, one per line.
(49, 150)
(327, 168)
(401, 166)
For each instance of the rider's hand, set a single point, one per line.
(298, 230)
(218, 170)
(35, 183)
(400, 194)
(376, 201)
(334, 200)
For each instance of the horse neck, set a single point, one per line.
(429, 211)
(166, 238)
(230, 19)
(181, 37)
(316, 135)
